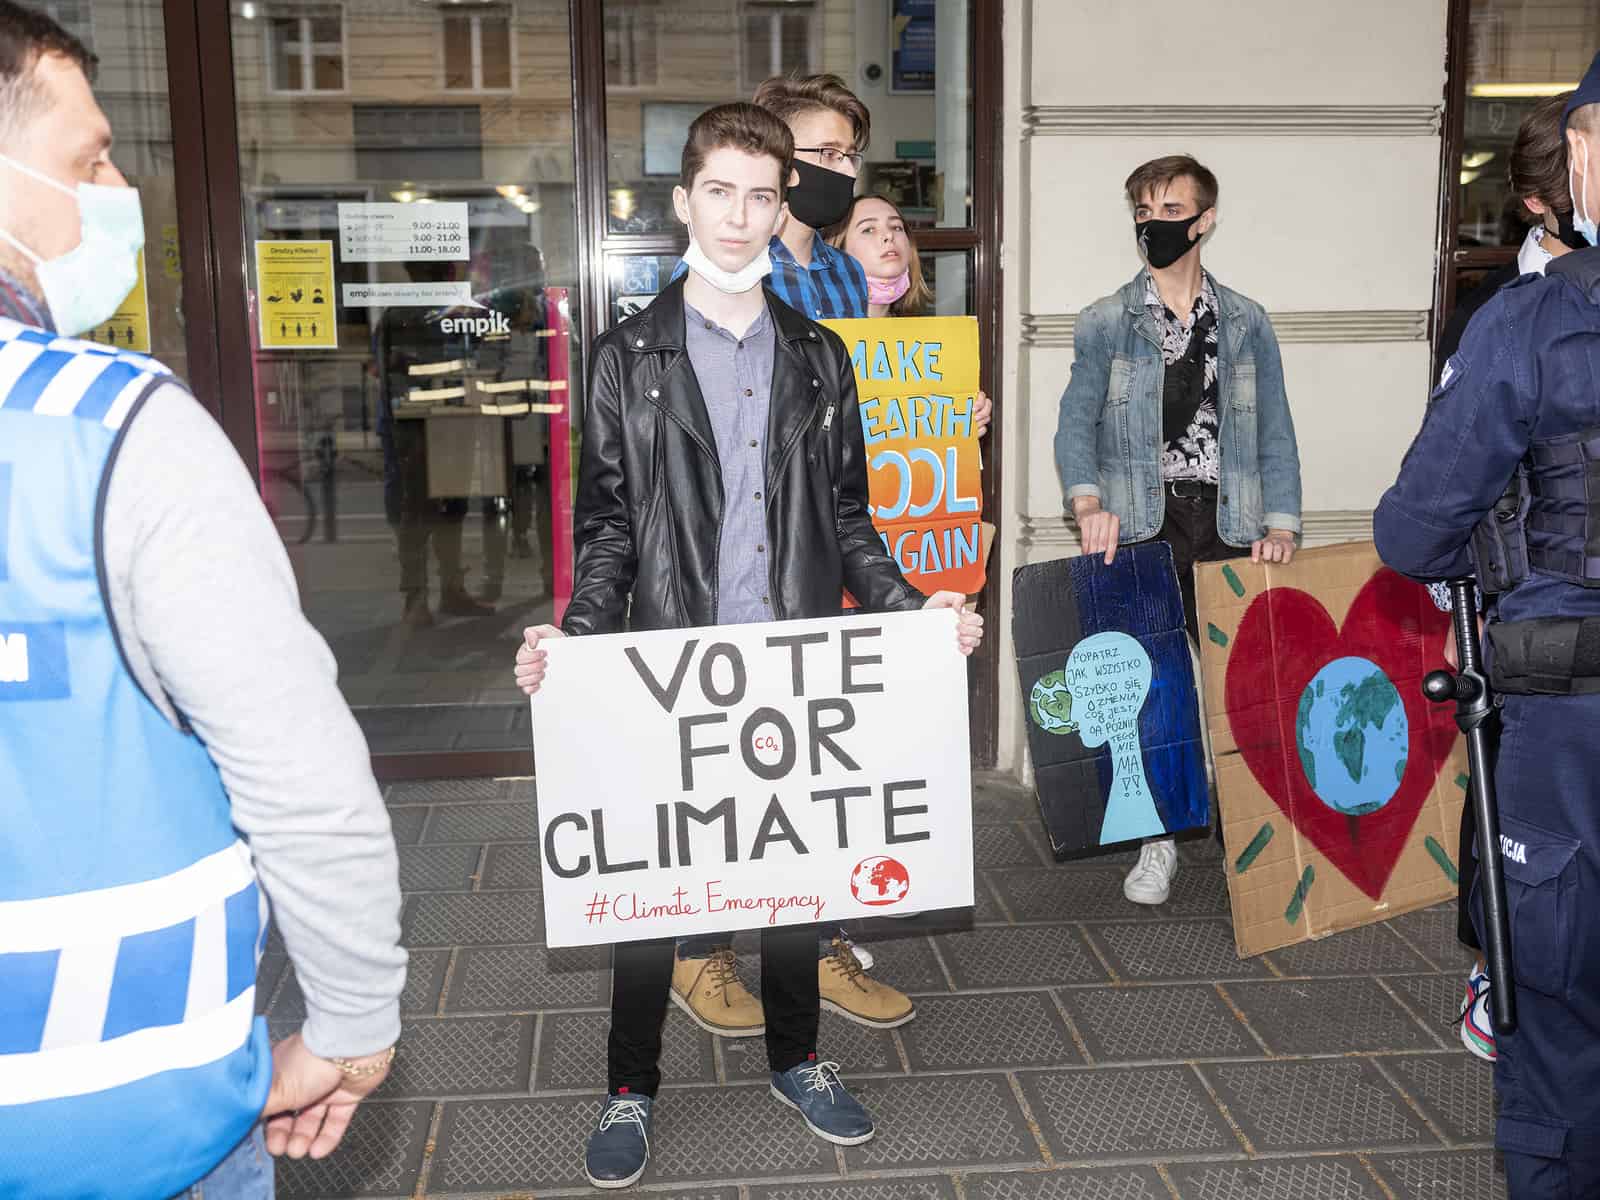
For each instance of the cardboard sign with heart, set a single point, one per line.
(1340, 788)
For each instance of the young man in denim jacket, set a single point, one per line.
(1174, 425)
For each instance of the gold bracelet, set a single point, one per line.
(351, 1071)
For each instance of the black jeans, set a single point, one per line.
(1190, 528)
(641, 973)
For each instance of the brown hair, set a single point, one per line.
(1537, 165)
(744, 127)
(1157, 175)
(26, 36)
(919, 295)
(786, 96)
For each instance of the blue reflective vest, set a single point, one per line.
(131, 922)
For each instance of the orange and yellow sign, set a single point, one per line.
(917, 379)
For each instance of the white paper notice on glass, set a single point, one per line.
(403, 232)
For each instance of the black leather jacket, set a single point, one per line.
(649, 505)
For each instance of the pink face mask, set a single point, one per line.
(887, 291)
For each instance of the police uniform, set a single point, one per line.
(131, 920)
(1520, 402)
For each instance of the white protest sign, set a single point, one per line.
(410, 295)
(402, 232)
(702, 780)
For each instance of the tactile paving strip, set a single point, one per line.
(1148, 1024)
(938, 1120)
(1199, 890)
(572, 1052)
(1003, 1029)
(1123, 1112)
(1433, 931)
(438, 868)
(996, 846)
(1319, 1104)
(1019, 956)
(1291, 1015)
(407, 824)
(482, 823)
(1175, 951)
(446, 791)
(472, 919)
(381, 1155)
(1370, 950)
(1079, 1183)
(1284, 1179)
(1456, 1175)
(999, 803)
(462, 1056)
(1058, 894)
(1456, 1091)
(932, 1187)
(906, 963)
(512, 1145)
(424, 979)
(524, 978)
(512, 867)
(857, 1049)
(1436, 999)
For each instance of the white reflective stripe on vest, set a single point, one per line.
(117, 912)
(78, 1070)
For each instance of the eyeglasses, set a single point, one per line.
(834, 160)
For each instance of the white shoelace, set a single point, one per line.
(1149, 853)
(816, 1076)
(623, 1110)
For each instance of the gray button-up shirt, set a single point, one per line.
(735, 377)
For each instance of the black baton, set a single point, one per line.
(1469, 688)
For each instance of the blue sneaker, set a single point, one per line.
(620, 1147)
(814, 1091)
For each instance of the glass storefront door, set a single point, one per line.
(407, 182)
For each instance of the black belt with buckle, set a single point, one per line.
(1191, 489)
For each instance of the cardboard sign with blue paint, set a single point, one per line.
(1109, 693)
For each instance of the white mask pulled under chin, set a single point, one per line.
(732, 282)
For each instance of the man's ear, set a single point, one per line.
(1206, 223)
(794, 178)
(680, 203)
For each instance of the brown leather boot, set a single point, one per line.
(849, 991)
(708, 989)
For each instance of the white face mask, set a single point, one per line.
(86, 285)
(731, 282)
(1582, 220)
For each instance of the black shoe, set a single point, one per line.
(521, 547)
(457, 603)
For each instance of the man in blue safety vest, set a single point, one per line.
(153, 794)
(1517, 415)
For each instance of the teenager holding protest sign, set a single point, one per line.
(722, 481)
(1175, 425)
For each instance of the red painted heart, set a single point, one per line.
(1284, 640)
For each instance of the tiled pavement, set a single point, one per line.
(1068, 1044)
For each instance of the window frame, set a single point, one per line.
(638, 85)
(475, 17)
(776, 10)
(308, 52)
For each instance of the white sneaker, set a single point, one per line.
(1151, 878)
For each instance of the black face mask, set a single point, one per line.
(1164, 242)
(1566, 234)
(822, 197)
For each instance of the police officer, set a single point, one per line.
(1520, 402)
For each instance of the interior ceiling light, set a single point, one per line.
(1468, 176)
(1517, 91)
(1478, 159)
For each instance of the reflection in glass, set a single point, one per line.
(1517, 51)
(419, 472)
(667, 64)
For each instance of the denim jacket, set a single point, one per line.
(1109, 441)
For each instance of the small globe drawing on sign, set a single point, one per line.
(1050, 704)
(1353, 736)
(878, 881)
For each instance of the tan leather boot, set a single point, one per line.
(709, 990)
(849, 991)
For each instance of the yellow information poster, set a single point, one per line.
(294, 283)
(129, 327)
(917, 380)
